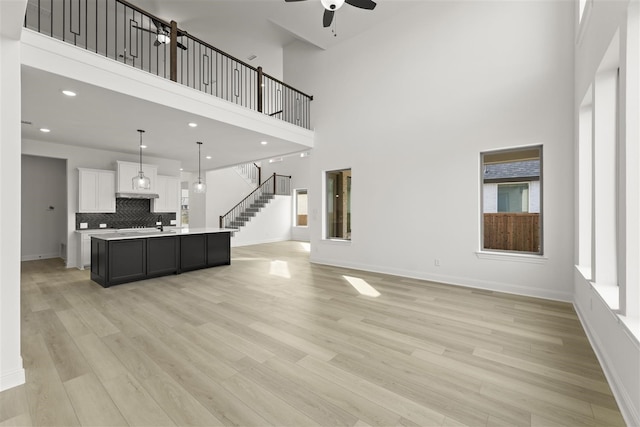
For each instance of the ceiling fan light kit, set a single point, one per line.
(163, 38)
(162, 33)
(332, 4)
(330, 7)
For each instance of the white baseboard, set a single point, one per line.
(235, 244)
(626, 405)
(11, 379)
(508, 288)
(40, 256)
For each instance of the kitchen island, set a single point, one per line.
(124, 257)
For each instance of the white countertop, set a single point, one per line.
(145, 233)
(123, 230)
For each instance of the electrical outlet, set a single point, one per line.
(103, 225)
(84, 225)
(436, 262)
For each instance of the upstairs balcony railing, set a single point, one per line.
(123, 32)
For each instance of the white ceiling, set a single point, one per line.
(103, 119)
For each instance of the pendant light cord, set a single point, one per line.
(141, 132)
(199, 162)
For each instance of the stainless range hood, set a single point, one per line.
(136, 196)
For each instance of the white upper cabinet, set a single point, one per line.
(168, 189)
(126, 172)
(96, 191)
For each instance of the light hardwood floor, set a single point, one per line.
(275, 340)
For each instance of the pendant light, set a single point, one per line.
(141, 182)
(199, 186)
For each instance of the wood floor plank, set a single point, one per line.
(92, 403)
(294, 341)
(47, 397)
(211, 394)
(134, 402)
(179, 405)
(275, 410)
(14, 405)
(364, 409)
(252, 345)
(300, 396)
(387, 399)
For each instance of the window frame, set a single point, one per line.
(296, 192)
(326, 205)
(504, 252)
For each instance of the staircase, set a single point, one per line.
(250, 211)
(251, 205)
(250, 172)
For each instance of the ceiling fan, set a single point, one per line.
(162, 33)
(330, 7)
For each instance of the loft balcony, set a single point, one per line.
(121, 31)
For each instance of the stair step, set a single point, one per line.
(245, 216)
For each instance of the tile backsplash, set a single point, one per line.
(129, 213)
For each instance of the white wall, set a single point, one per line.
(409, 114)
(88, 158)
(11, 15)
(614, 337)
(298, 168)
(44, 185)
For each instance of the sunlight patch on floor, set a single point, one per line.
(362, 286)
(306, 246)
(280, 268)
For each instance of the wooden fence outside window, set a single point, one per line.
(512, 231)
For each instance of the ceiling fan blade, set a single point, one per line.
(288, 1)
(144, 29)
(327, 18)
(181, 46)
(362, 4)
(157, 23)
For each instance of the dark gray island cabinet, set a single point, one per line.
(126, 257)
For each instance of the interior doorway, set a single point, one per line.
(43, 208)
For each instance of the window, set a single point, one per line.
(513, 197)
(338, 204)
(301, 208)
(511, 200)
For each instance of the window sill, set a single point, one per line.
(585, 271)
(610, 294)
(341, 242)
(512, 257)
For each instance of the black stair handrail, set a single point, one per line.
(274, 185)
(124, 32)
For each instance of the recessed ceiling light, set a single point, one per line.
(264, 142)
(143, 146)
(69, 93)
(208, 157)
(45, 130)
(181, 169)
(193, 125)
